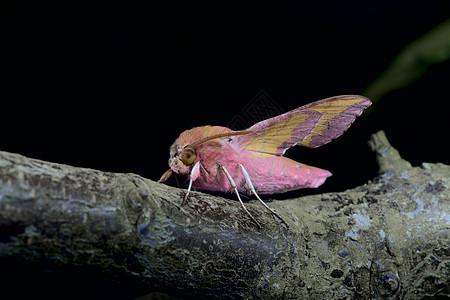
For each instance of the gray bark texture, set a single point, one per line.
(387, 239)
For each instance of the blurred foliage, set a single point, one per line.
(412, 62)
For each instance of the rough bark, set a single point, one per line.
(385, 239)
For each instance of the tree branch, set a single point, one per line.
(387, 238)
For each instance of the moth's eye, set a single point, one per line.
(187, 156)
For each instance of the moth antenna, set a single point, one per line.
(218, 136)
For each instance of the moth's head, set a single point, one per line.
(181, 158)
(182, 155)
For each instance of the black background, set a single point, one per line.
(110, 85)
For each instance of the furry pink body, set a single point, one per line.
(269, 173)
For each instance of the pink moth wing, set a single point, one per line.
(312, 125)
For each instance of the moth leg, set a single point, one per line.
(239, 197)
(192, 176)
(252, 190)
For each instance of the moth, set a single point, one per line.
(251, 161)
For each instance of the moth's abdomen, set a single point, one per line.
(276, 174)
